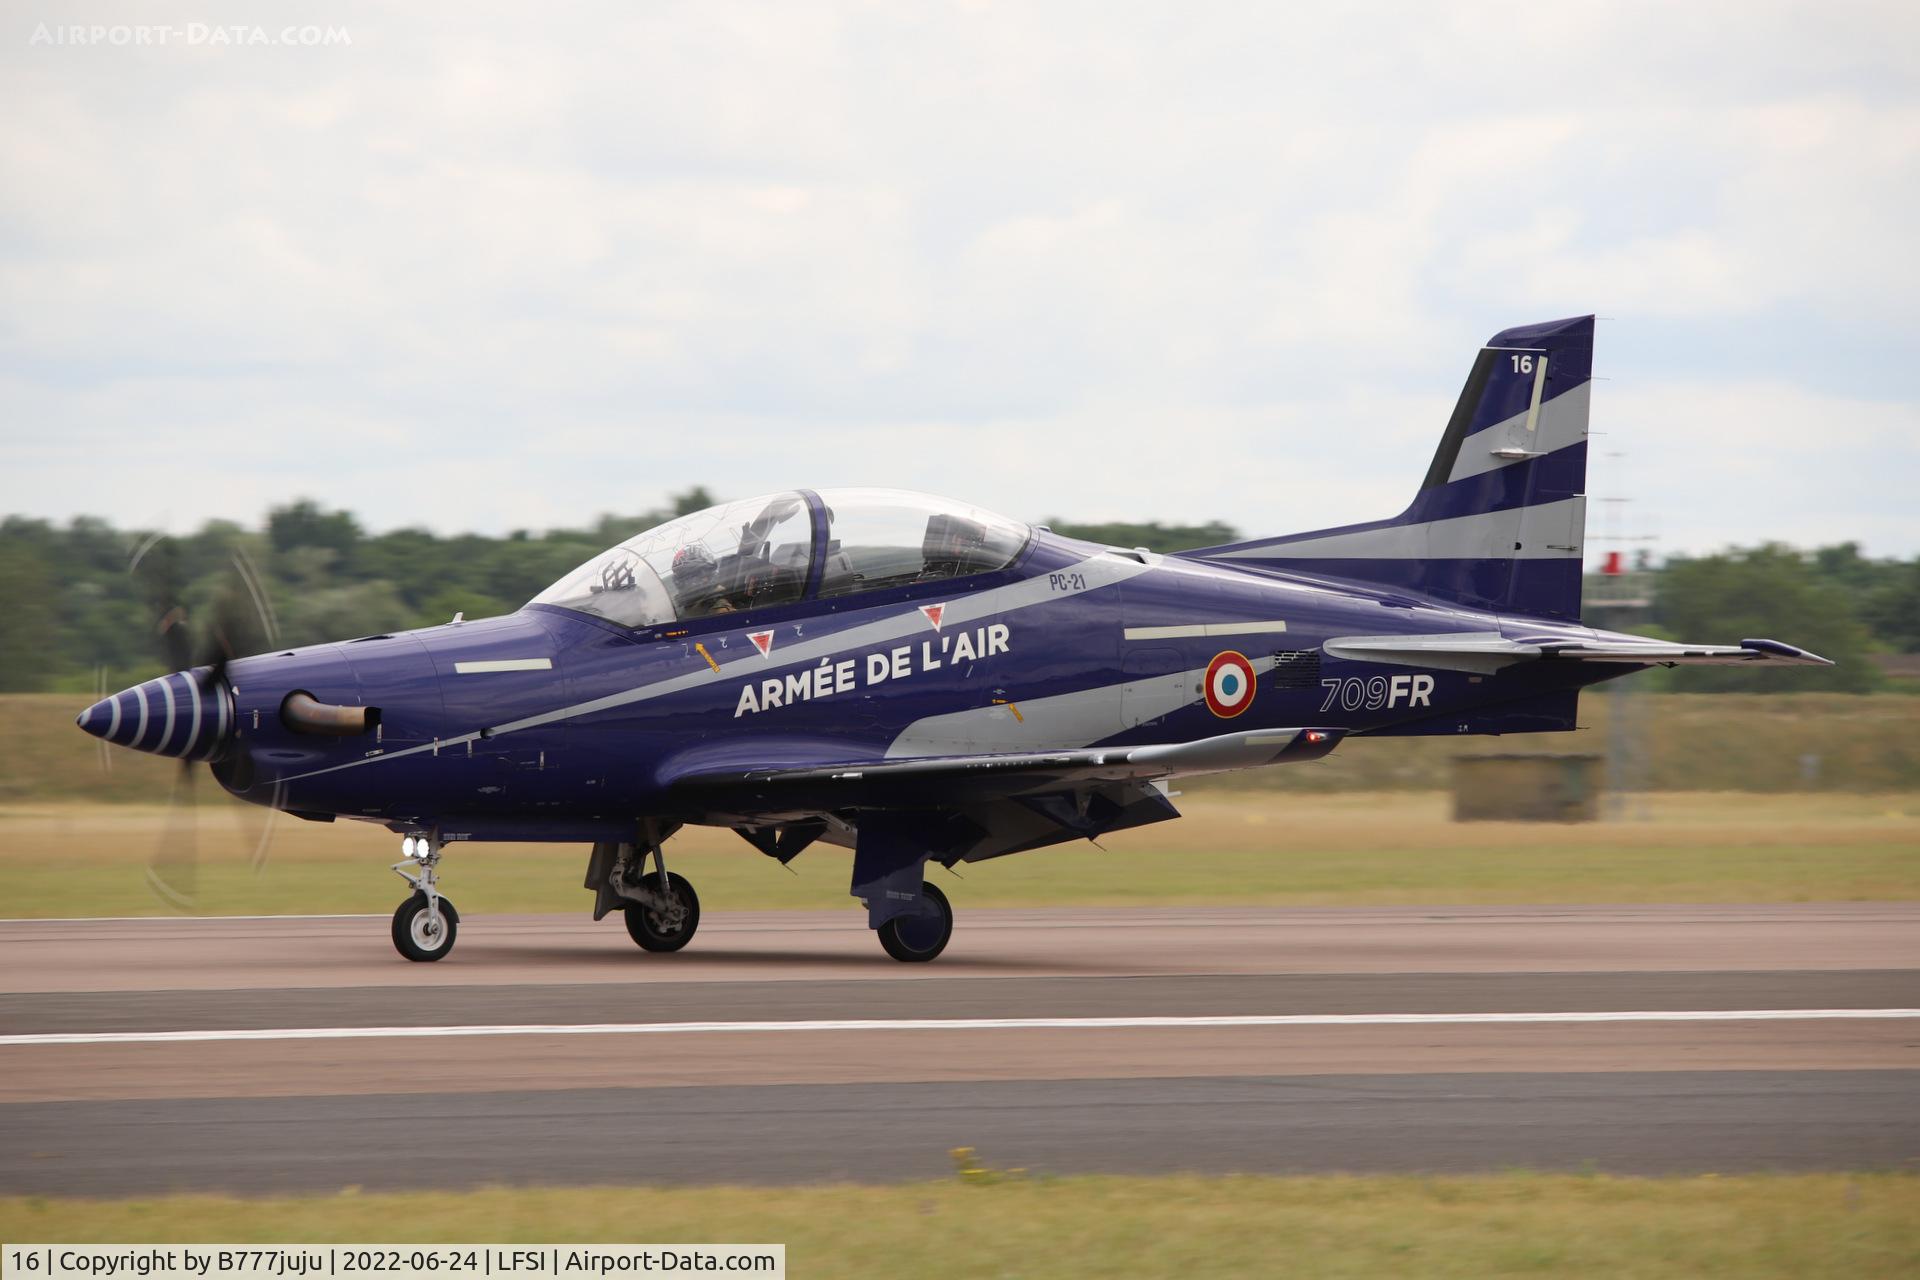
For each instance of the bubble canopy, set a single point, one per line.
(781, 548)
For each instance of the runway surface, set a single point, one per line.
(806, 1093)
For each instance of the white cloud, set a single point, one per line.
(1706, 465)
(505, 270)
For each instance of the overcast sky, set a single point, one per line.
(496, 269)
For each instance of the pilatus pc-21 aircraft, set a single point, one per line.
(921, 680)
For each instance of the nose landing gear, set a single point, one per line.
(425, 925)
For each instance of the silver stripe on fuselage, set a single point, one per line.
(502, 664)
(1064, 720)
(113, 720)
(1204, 629)
(1104, 570)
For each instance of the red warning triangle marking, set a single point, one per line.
(934, 613)
(763, 641)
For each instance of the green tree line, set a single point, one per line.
(74, 615)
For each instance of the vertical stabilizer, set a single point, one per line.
(1500, 521)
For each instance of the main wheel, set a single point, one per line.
(416, 936)
(919, 938)
(651, 928)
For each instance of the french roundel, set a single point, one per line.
(1229, 685)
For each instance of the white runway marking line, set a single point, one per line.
(953, 1024)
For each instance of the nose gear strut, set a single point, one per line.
(424, 926)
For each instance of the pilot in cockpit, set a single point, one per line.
(697, 589)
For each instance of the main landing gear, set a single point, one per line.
(661, 910)
(913, 919)
(425, 925)
(662, 913)
(919, 938)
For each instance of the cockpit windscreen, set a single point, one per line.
(746, 555)
(725, 559)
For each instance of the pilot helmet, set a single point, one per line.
(693, 565)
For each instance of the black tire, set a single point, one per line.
(649, 930)
(918, 939)
(416, 943)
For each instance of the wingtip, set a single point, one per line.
(1779, 649)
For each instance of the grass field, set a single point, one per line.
(1233, 847)
(1509, 1225)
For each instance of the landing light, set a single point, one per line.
(406, 846)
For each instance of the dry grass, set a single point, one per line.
(1509, 1225)
(1234, 847)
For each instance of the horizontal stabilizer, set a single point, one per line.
(1485, 652)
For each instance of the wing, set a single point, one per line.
(1489, 651)
(953, 780)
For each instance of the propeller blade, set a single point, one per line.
(239, 621)
(257, 592)
(263, 838)
(173, 871)
(243, 620)
(155, 567)
(100, 692)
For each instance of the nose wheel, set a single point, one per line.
(425, 925)
(420, 932)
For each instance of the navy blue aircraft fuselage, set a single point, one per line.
(920, 680)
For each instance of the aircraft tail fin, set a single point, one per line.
(1500, 521)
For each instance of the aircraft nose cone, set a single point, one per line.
(98, 718)
(175, 715)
